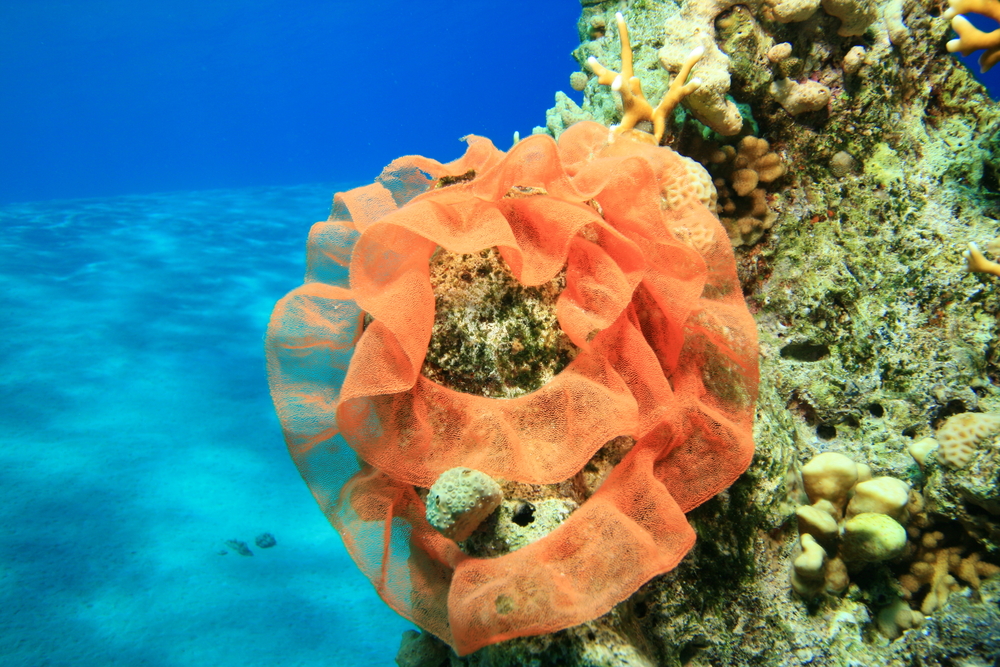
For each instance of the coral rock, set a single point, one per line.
(841, 164)
(855, 15)
(829, 476)
(460, 500)
(882, 495)
(819, 523)
(808, 571)
(799, 98)
(921, 449)
(897, 618)
(793, 11)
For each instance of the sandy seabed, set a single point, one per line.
(137, 437)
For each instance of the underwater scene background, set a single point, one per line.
(161, 164)
(138, 434)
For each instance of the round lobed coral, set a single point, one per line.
(459, 500)
(854, 519)
(741, 172)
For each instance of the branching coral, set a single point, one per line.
(936, 567)
(692, 27)
(971, 38)
(977, 263)
(855, 519)
(626, 84)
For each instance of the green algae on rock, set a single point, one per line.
(492, 335)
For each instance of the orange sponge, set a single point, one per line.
(668, 356)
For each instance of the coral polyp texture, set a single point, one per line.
(960, 435)
(644, 413)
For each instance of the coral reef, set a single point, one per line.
(959, 435)
(874, 337)
(740, 175)
(853, 520)
(935, 568)
(965, 632)
(873, 332)
(635, 107)
(969, 494)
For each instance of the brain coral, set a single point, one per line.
(667, 356)
(959, 435)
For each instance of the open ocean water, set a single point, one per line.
(137, 436)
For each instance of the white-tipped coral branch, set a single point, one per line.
(635, 106)
(977, 263)
(971, 38)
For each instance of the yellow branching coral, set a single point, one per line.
(626, 84)
(936, 567)
(977, 263)
(971, 38)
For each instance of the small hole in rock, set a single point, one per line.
(524, 514)
(804, 351)
(826, 431)
(876, 410)
(693, 648)
(955, 406)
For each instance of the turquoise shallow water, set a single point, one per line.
(138, 436)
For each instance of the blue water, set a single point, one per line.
(137, 433)
(138, 437)
(111, 97)
(117, 96)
